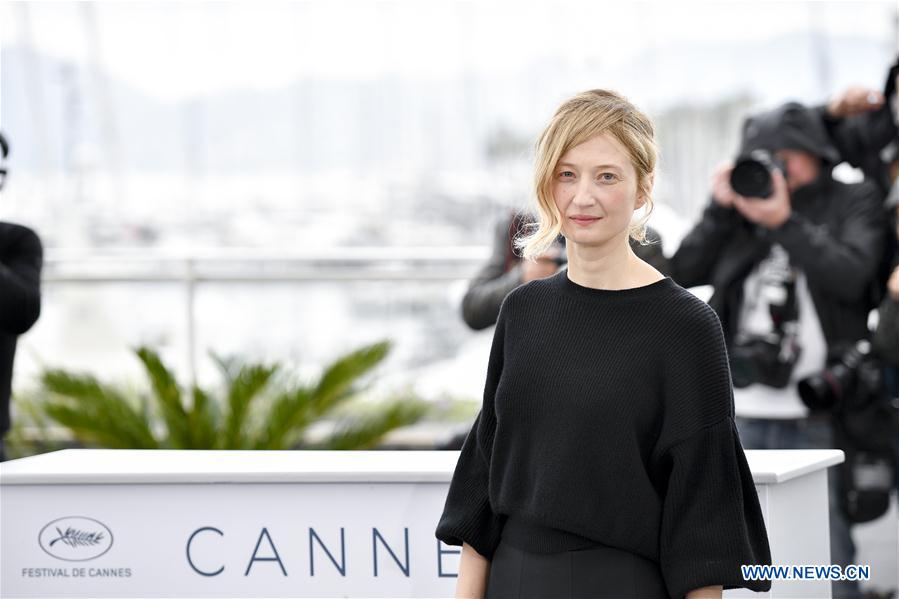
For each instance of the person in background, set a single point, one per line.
(21, 259)
(864, 124)
(861, 122)
(791, 274)
(885, 342)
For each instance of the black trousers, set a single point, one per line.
(594, 573)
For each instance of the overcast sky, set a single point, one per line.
(173, 50)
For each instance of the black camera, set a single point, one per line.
(769, 357)
(852, 382)
(864, 428)
(759, 360)
(751, 176)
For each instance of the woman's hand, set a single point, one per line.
(713, 592)
(474, 569)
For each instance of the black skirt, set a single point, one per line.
(594, 572)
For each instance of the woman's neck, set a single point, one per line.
(610, 266)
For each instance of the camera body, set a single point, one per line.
(760, 360)
(768, 354)
(752, 175)
(865, 426)
(853, 381)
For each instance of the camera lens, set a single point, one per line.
(751, 178)
(819, 392)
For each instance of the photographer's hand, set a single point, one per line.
(854, 100)
(543, 266)
(769, 212)
(893, 284)
(722, 192)
(537, 270)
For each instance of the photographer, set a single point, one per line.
(791, 261)
(21, 258)
(863, 124)
(504, 272)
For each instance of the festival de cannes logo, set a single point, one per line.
(75, 538)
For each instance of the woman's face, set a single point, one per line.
(595, 189)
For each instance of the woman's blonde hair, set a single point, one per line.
(583, 117)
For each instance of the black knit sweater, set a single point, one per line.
(608, 418)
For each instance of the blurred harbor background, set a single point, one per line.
(290, 180)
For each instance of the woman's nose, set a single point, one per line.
(583, 196)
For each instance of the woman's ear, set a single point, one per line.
(646, 191)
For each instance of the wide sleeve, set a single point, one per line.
(467, 515)
(711, 518)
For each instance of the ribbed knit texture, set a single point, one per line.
(608, 416)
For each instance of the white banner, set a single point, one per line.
(216, 540)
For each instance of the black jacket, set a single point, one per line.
(862, 141)
(21, 258)
(835, 236)
(860, 138)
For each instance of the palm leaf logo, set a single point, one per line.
(74, 537)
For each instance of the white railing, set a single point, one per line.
(242, 265)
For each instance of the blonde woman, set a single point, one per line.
(604, 461)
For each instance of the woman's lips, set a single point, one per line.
(585, 222)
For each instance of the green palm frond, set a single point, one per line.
(204, 421)
(338, 380)
(96, 413)
(290, 411)
(258, 407)
(251, 379)
(29, 415)
(168, 398)
(367, 432)
(229, 366)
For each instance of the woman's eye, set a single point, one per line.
(608, 177)
(566, 174)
